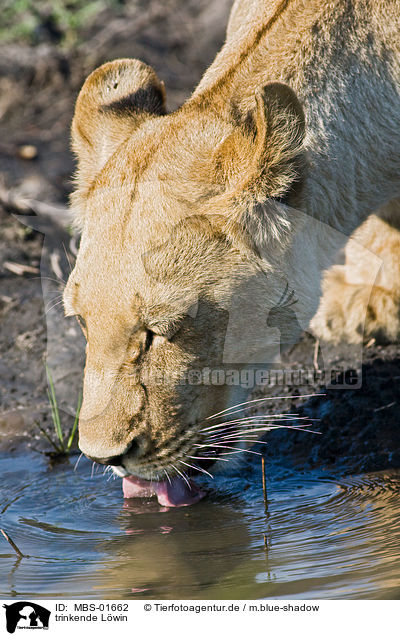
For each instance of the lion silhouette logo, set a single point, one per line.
(26, 615)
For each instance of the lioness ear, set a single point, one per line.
(262, 154)
(114, 100)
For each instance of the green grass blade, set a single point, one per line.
(75, 424)
(60, 448)
(44, 433)
(55, 413)
(54, 408)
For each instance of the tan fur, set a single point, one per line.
(184, 230)
(349, 309)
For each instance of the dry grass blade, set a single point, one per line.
(19, 269)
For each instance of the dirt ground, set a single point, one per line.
(38, 86)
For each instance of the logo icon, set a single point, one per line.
(26, 615)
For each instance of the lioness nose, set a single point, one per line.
(135, 448)
(109, 461)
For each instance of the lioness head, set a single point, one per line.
(174, 214)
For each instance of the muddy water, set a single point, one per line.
(326, 538)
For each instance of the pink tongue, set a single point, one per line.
(174, 493)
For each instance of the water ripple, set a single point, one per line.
(322, 537)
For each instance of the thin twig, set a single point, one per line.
(386, 406)
(315, 358)
(264, 482)
(12, 544)
(14, 202)
(19, 269)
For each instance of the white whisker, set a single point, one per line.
(208, 458)
(77, 461)
(54, 280)
(259, 400)
(57, 299)
(254, 420)
(236, 423)
(240, 450)
(236, 438)
(66, 254)
(167, 476)
(54, 306)
(182, 475)
(202, 470)
(244, 450)
(261, 429)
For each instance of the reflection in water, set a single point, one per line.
(178, 554)
(326, 537)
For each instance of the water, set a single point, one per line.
(326, 538)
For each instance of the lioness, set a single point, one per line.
(197, 224)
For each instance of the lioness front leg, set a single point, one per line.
(349, 309)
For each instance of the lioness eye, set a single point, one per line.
(149, 339)
(81, 322)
